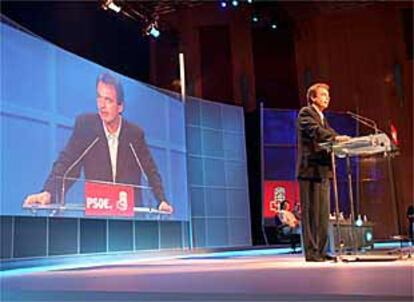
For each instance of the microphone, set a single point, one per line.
(138, 161)
(365, 121)
(62, 196)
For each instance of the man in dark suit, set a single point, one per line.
(107, 147)
(314, 171)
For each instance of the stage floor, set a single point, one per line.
(228, 276)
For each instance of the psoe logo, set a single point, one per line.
(279, 195)
(122, 203)
(98, 203)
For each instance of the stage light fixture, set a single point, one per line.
(359, 221)
(368, 236)
(274, 26)
(223, 4)
(235, 3)
(109, 4)
(152, 30)
(250, 1)
(255, 19)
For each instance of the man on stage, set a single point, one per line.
(314, 171)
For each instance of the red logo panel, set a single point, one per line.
(108, 200)
(277, 191)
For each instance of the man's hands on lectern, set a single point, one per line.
(342, 138)
(165, 207)
(39, 198)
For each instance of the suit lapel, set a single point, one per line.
(318, 117)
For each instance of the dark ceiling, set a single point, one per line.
(115, 40)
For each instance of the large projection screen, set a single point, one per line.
(44, 90)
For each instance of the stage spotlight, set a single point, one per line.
(255, 19)
(274, 26)
(109, 4)
(235, 3)
(152, 30)
(223, 4)
(250, 1)
(359, 221)
(368, 236)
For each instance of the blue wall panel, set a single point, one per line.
(280, 163)
(30, 237)
(237, 232)
(211, 115)
(216, 204)
(232, 119)
(214, 172)
(279, 127)
(171, 234)
(93, 236)
(120, 235)
(236, 201)
(236, 174)
(195, 171)
(197, 202)
(193, 113)
(213, 143)
(218, 232)
(63, 236)
(146, 235)
(217, 174)
(234, 147)
(199, 232)
(194, 140)
(6, 236)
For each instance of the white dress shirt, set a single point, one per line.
(113, 142)
(320, 114)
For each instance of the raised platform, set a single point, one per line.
(256, 275)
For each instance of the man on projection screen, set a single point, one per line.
(107, 147)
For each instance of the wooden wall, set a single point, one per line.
(193, 25)
(361, 53)
(358, 48)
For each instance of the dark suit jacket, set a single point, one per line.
(96, 164)
(313, 163)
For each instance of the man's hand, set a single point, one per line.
(342, 138)
(165, 207)
(40, 198)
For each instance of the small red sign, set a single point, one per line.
(277, 191)
(108, 200)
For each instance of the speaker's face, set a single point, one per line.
(108, 107)
(322, 98)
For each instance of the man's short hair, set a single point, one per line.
(109, 79)
(311, 93)
(283, 203)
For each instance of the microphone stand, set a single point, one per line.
(62, 196)
(373, 125)
(365, 121)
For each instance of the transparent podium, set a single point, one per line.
(377, 144)
(75, 197)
